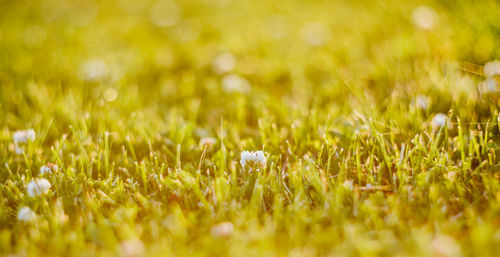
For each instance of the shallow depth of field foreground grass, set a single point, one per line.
(378, 122)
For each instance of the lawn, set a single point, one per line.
(249, 128)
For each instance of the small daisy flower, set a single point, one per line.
(348, 184)
(25, 214)
(443, 245)
(19, 150)
(424, 17)
(48, 169)
(132, 247)
(490, 85)
(438, 121)
(207, 142)
(234, 83)
(223, 63)
(422, 102)
(223, 229)
(253, 160)
(39, 186)
(23, 136)
(492, 68)
(93, 69)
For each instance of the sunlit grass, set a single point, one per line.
(372, 128)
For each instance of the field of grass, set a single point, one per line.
(123, 125)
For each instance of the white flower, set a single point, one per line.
(488, 86)
(443, 245)
(492, 68)
(348, 184)
(22, 136)
(235, 83)
(424, 17)
(48, 169)
(207, 141)
(93, 69)
(132, 247)
(223, 229)
(253, 160)
(26, 214)
(19, 150)
(439, 120)
(223, 63)
(422, 102)
(39, 186)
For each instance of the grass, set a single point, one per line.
(340, 96)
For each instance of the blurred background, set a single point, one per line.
(200, 60)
